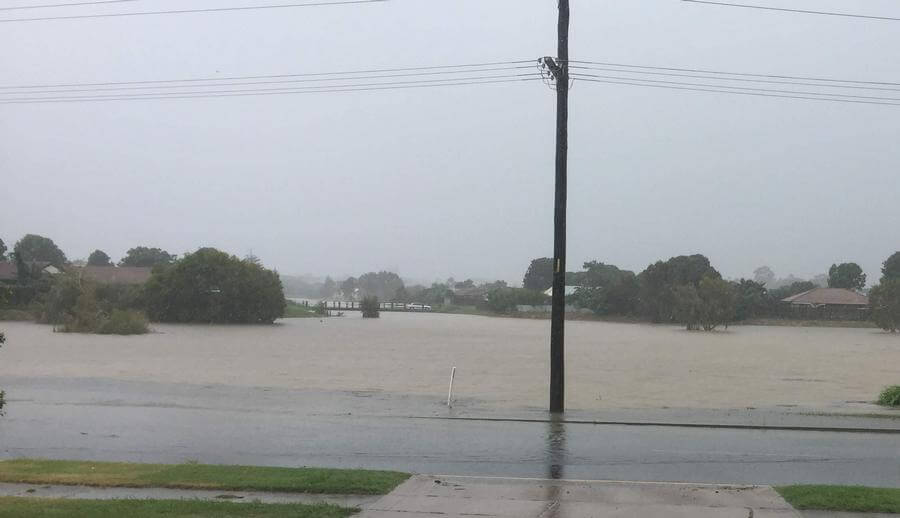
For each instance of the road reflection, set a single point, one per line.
(556, 454)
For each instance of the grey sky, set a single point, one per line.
(458, 180)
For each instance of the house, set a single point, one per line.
(828, 303)
(9, 272)
(127, 275)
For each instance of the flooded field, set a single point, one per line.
(501, 361)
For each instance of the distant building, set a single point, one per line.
(128, 275)
(828, 303)
(9, 272)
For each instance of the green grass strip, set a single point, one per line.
(842, 498)
(201, 476)
(14, 507)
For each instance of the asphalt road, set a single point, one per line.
(152, 422)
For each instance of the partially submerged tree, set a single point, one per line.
(846, 275)
(370, 307)
(144, 256)
(99, 258)
(708, 305)
(212, 286)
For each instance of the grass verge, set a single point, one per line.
(16, 507)
(294, 310)
(842, 498)
(200, 476)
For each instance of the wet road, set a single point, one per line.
(163, 422)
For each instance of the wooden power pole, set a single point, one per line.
(560, 70)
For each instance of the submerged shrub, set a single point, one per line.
(890, 396)
(370, 307)
(125, 322)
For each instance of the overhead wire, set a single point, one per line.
(73, 4)
(789, 10)
(191, 11)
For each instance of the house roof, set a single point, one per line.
(117, 274)
(8, 271)
(825, 296)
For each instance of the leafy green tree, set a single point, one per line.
(506, 300)
(381, 285)
(401, 295)
(606, 290)
(846, 275)
(539, 276)
(33, 247)
(658, 283)
(466, 284)
(370, 307)
(144, 256)
(99, 258)
(884, 299)
(708, 305)
(2, 250)
(752, 299)
(212, 286)
(891, 267)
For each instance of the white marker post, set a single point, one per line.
(450, 393)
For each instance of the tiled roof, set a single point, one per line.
(833, 296)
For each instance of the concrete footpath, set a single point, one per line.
(456, 497)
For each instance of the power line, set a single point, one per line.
(74, 4)
(472, 66)
(244, 94)
(186, 11)
(740, 79)
(280, 81)
(756, 94)
(802, 11)
(742, 74)
(771, 90)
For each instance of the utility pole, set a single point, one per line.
(559, 69)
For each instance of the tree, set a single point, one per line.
(539, 276)
(99, 258)
(348, 288)
(328, 288)
(144, 256)
(606, 290)
(846, 275)
(891, 267)
(765, 276)
(2, 250)
(401, 295)
(212, 286)
(382, 285)
(370, 307)
(752, 299)
(659, 281)
(884, 300)
(709, 304)
(33, 247)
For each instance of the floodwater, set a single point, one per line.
(501, 362)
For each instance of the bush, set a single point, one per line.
(890, 396)
(370, 307)
(15, 315)
(321, 309)
(125, 322)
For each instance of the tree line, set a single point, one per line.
(687, 289)
(207, 286)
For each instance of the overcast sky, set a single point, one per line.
(456, 181)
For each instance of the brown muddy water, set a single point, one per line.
(502, 361)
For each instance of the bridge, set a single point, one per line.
(382, 306)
